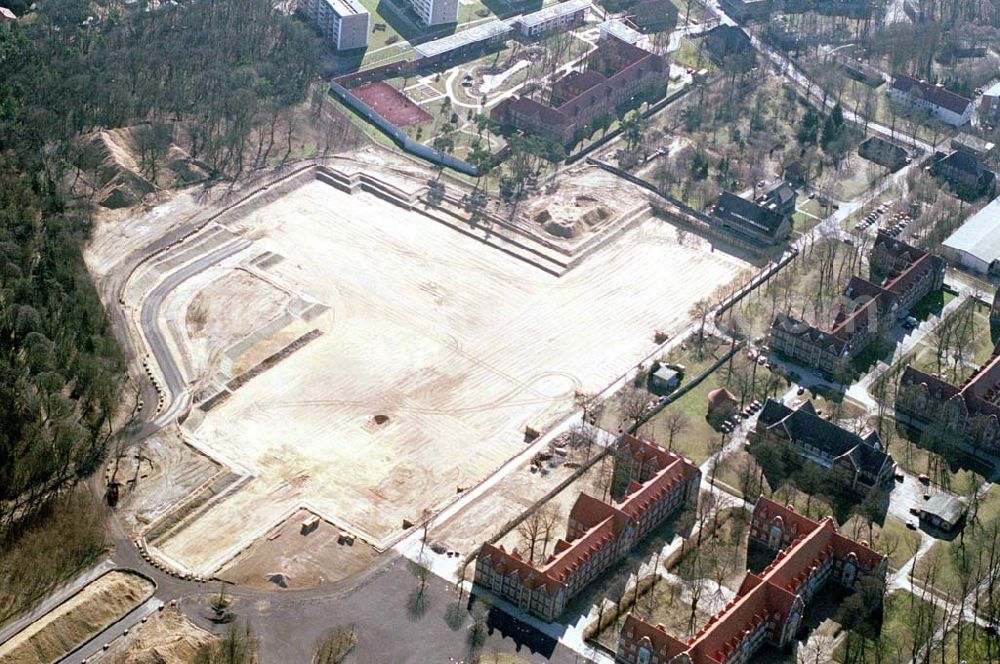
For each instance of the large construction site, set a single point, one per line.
(352, 343)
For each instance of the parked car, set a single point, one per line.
(923, 479)
(800, 391)
(911, 525)
(900, 477)
(915, 511)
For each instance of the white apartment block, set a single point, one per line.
(344, 22)
(436, 12)
(552, 18)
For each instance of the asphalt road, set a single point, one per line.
(150, 312)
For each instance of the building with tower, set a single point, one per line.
(598, 533)
(769, 606)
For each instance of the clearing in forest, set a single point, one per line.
(434, 352)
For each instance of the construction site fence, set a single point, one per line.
(398, 136)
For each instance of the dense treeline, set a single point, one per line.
(221, 67)
(216, 69)
(60, 368)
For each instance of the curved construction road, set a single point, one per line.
(157, 342)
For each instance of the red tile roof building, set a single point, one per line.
(615, 72)
(597, 535)
(971, 410)
(865, 310)
(769, 605)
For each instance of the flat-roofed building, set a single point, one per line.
(346, 23)
(989, 106)
(976, 243)
(555, 17)
(436, 12)
(474, 40)
(619, 29)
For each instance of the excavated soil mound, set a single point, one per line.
(78, 619)
(168, 638)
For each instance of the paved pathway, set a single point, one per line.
(55, 598)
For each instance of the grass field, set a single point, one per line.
(898, 634)
(981, 349)
(949, 558)
(697, 439)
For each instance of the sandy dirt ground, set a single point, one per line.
(227, 312)
(164, 470)
(519, 491)
(168, 638)
(288, 557)
(582, 202)
(561, 504)
(459, 345)
(100, 603)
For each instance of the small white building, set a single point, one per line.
(976, 243)
(554, 17)
(989, 106)
(619, 29)
(436, 12)
(344, 22)
(945, 105)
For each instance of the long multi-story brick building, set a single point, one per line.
(597, 535)
(970, 411)
(769, 606)
(866, 309)
(615, 72)
(858, 464)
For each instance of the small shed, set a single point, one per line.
(664, 379)
(722, 404)
(943, 511)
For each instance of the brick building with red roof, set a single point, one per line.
(769, 606)
(615, 72)
(866, 308)
(597, 533)
(970, 411)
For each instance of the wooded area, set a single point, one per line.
(217, 70)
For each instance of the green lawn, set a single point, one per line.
(949, 562)
(698, 438)
(687, 55)
(967, 642)
(916, 460)
(932, 304)
(892, 538)
(982, 343)
(697, 441)
(906, 620)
